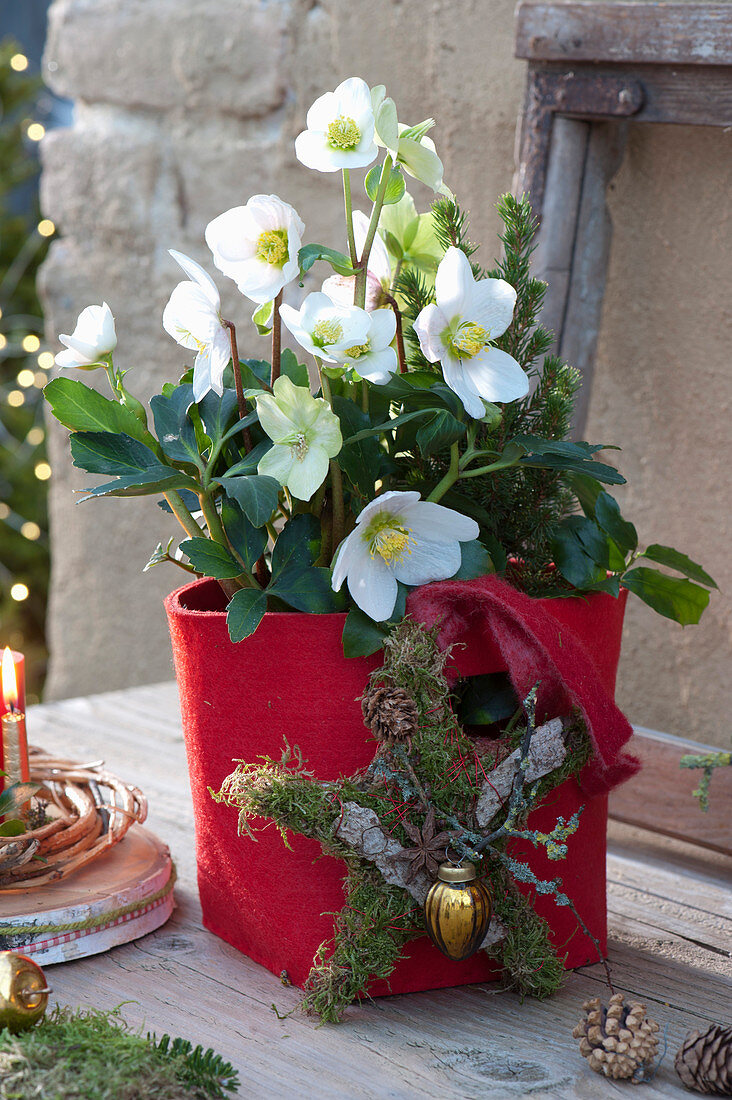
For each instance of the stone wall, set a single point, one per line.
(187, 107)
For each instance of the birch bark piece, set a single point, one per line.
(360, 827)
(546, 753)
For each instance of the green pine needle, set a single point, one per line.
(88, 1054)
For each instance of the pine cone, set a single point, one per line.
(704, 1061)
(619, 1041)
(389, 712)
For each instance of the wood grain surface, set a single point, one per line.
(672, 34)
(670, 924)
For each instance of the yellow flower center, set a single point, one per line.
(272, 247)
(343, 133)
(469, 339)
(186, 334)
(326, 332)
(358, 350)
(388, 536)
(299, 447)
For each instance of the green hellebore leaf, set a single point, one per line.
(580, 552)
(113, 453)
(255, 494)
(297, 545)
(607, 514)
(586, 490)
(14, 796)
(217, 414)
(488, 698)
(211, 558)
(475, 561)
(440, 431)
(249, 462)
(394, 189)
(666, 555)
(15, 827)
(160, 479)
(295, 371)
(361, 635)
(362, 463)
(245, 612)
(82, 409)
(673, 597)
(254, 374)
(310, 253)
(248, 541)
(308, 590)
(174, 427)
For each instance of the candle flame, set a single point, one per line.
(10, 684)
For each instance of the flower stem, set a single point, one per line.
(339, 509)
(360, 296)
(217, 534)
(240, 399)
(213, 520)
(182, 514)
(399, 334)
(349, 216)
(111, 376)
(276, 339)
(450, 477)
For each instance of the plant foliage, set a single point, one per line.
(95, 1055)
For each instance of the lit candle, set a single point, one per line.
(14, 738)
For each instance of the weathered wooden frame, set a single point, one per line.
(593, 67)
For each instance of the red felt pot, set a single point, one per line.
(290, 680)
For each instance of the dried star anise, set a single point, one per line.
(429, 846)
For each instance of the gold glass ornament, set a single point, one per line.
(457, 911)
(23, 992)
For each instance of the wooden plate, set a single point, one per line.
(119, 897)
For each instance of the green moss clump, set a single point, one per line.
(87, 1054)
(370, 931)
(530, 964)
(437, 771)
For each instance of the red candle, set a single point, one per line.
(12, 701)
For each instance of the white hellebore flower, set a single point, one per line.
(193, 319)
(257, 245)
(306, 434)
(342, 288)
(340, 129)
(93, 338)
(324, 328)
(374, 359)
(399, 537)
(457, 331)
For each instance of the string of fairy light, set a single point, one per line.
(29, 343)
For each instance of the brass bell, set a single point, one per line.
(23, 992)
(457, 911)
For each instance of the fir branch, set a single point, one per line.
(451, 227)
(203, 1071)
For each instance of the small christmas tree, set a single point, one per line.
(24, 470)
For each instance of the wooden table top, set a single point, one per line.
(670, 923)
